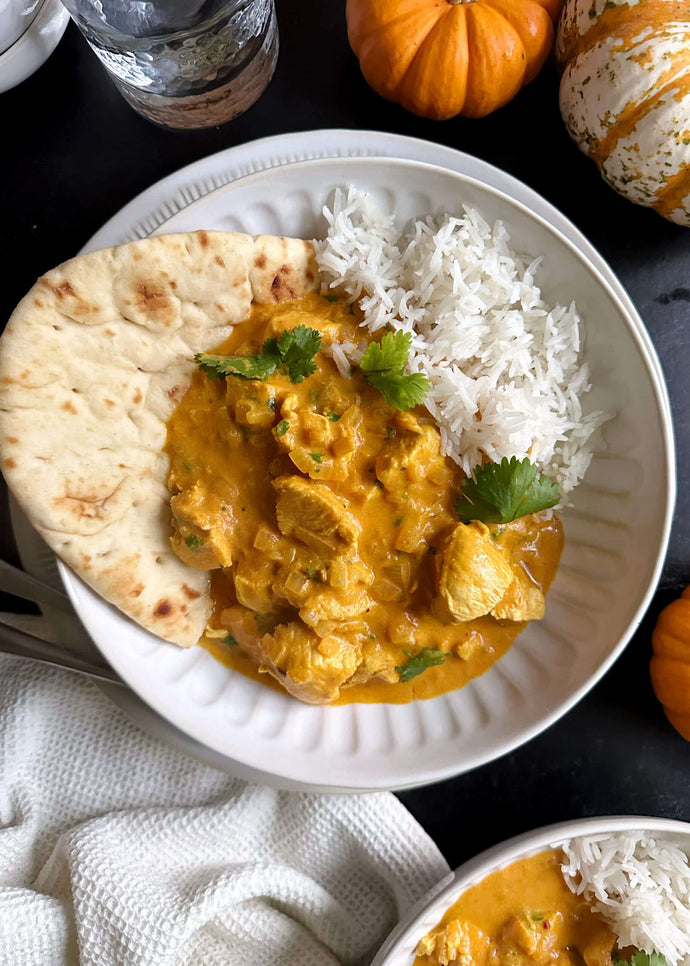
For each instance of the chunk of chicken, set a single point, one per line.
(523, 601)
(460, 943)
(474, 574)
(203, 528)
(537, 939)
(378, 664)
(312, 668)
(314, 515)
(318, 445)
(335, 605)
(410, 457)
(334, 591)
(414, 474)
(254, 586)
(599, 949)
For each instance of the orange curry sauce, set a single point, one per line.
(329, 616)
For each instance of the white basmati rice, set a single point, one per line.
(506, 378)
(640, 885)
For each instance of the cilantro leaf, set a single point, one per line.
(293, 352)
(388, 355)
(383, 365)
(297, 350)
(640, 958)
(400, 390)
(248, 367)
(505, 491)
(299, 370)
(427, 657)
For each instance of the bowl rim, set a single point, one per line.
(498, 856)
(634, 325)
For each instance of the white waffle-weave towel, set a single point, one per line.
(117, 850)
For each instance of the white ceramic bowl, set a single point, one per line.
(616, 533)
(399, 948)
(29, 33)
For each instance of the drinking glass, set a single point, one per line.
(183, 63)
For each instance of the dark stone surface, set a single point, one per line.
(74, 154)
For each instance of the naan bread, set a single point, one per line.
(92, 363)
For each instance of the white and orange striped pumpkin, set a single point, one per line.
(625, 95)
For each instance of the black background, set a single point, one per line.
(74, 153)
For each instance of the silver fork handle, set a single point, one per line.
(23, 585)
(21, 644)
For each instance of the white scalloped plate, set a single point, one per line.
(399, 947)
(616, 535)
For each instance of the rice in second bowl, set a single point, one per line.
(640, 884)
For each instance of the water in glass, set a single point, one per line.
(183, 63)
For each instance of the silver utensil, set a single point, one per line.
(22, 644)
(15, 581)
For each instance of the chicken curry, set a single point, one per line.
(327, 518)
(523, 915)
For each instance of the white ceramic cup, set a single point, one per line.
(29, 32)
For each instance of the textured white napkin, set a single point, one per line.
(116, 849)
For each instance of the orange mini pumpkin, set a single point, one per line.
(670, 665)
(439, 58)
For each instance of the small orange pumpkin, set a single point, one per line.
(670, 665)
(439, 58)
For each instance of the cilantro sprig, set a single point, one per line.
(293, 352)
(641, 958)
(383, 365)
(505, 491)
(427, 657)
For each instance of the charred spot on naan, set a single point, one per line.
(69, 302)
(281, 289)
(154, 302)
(64, 288)
(279, 273)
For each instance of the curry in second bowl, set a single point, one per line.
(597, 900)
